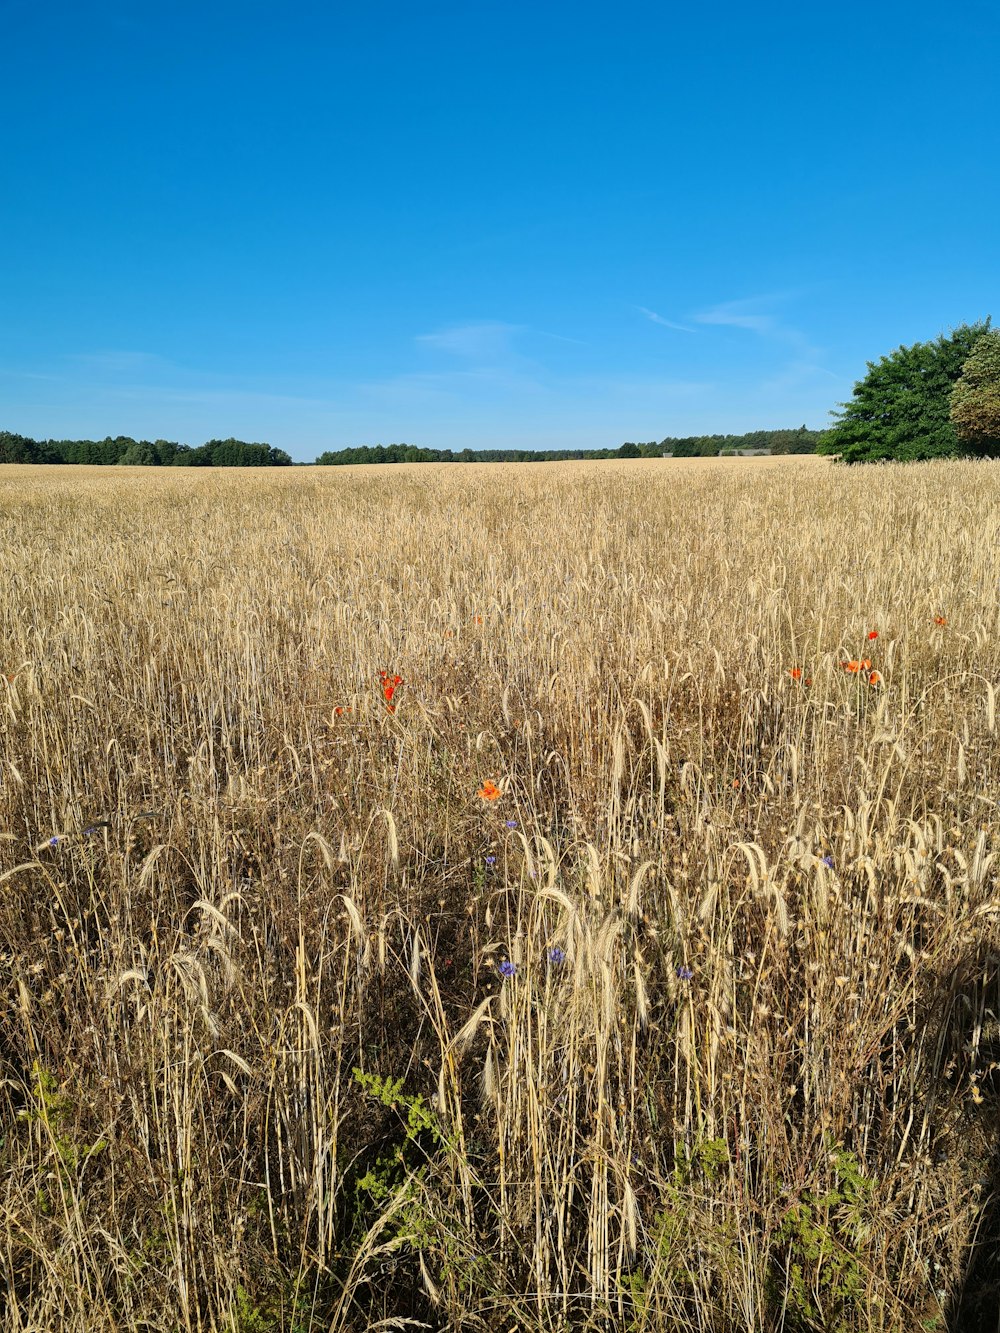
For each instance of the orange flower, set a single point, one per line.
(389, 684)
(940, 620)
(795, 673)
(338, 711)
(853, 667)
(875, 678)
(489, 791)
(873, 634)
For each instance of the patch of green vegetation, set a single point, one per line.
(687, 1243)
(822, 1235)
(53, 1108)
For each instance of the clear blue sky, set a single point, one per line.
(472, 223)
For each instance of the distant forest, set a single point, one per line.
(799, 441)
(238, 453)
(140, 453)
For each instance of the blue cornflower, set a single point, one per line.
(54, 840)
(507, 968)
(557, 955)
(512, 823)
(684, 973)
(828, 861)
(491, 860)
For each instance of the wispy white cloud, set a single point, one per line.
(796, 375)
(132, 376)
(798, 372)
(234, 397)
(448, 387)
(745, 314)
(560, 338)
(117, 362)
(665, 323)
(14, 373)
(756, 314)
(493, 342)
(485, 341)
(652, 387)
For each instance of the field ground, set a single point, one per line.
(631, 962)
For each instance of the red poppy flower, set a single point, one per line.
(795, 673)
(389, 686)
(489, 791)
(873, 634)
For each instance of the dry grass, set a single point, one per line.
(221, 895)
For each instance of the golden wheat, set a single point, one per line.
(694, 1025)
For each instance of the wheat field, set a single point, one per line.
(500, 897)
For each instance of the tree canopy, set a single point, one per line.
(975, 399)
(127, 452)
(123, 450)
(798, 440)
(900, 410)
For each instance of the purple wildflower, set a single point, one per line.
(507, 968)
(828, 861)
(512, 823)
(54, 840)
(491, 860)
(684, 973)
(557, 955)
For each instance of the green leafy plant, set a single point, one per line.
(691, 1246)
(822, 1236)
(52, 1108)
(391, 1167)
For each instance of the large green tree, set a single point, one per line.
(140, 453)
(900, 410)
(975, 399)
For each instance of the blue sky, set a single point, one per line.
(525, 225)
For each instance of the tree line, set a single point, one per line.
(797, 441)
(122, 449)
